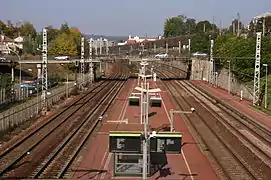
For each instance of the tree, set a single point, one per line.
(172, 27)
(190, 26)
(64, 28)
(28, 30)
(200, 43)
(204, 27)
(2, 27)
(10, 32)
(52, 33)
(63, 45)
(232, 46)
(76, 36)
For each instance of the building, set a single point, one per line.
(19, 41)
(259, 17)
(136, 39)
(7, 44)
(263, 21)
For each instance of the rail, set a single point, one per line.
(67, 120)
(250, 140)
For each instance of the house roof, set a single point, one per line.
(263, 15)
(4, 38)
(19, 39)
(131, 41)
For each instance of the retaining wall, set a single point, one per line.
(200, 71)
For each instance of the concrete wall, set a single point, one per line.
(200, 71)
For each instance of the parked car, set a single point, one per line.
(2, 59)
(161, 55)
(199, 54)
(62, 57)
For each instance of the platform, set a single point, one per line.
(98, 162)
(244, 106)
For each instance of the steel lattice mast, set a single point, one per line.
(211, 69)
(90, 58)
(257, 71)
(44, 69)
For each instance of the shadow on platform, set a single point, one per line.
(158, 161)
(152, 114)
(187, 175)
(86, 172)
(163, 127)
(187, 143)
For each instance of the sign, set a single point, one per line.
(168, 143)
(131, 142)
(120, 142)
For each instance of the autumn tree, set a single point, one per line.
(63, 45)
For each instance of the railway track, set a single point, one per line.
(240, 146)
(50, 149)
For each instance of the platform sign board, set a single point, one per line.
(131, 142)
(166, 142)
(125, 142)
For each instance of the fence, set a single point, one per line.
(15, 116)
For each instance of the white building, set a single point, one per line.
(136, 39)
(7, 44)
(19, 41)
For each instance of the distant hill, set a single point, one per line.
(110, 38)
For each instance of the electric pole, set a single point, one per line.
(44, 70)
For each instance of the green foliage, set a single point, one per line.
(181, 25)
(28, 30)
(70, 67)
(231, 48)
(65, 28)
(69, 37)
(200, 43)
(51, 33)
(5, 83)
(173, 26)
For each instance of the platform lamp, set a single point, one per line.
(144, 89)
(266, 77)
(229, 77)
(20, 78)
(172, 112)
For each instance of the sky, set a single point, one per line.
(127, 17)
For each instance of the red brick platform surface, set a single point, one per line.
(97, 162)
(234, 101)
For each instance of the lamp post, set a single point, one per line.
(172, 112)
(266, 73)
(20, 78)
(229, 78)
(144, 89)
